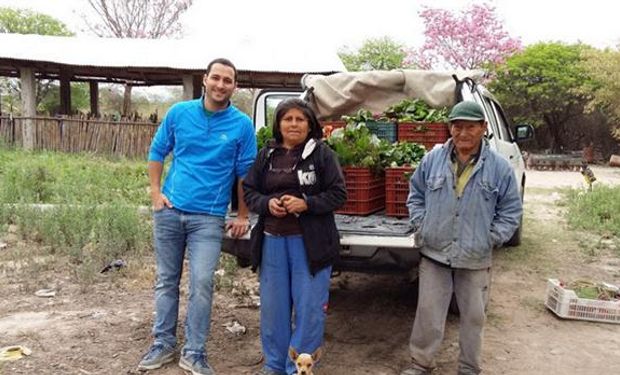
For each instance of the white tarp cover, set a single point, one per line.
(345, 93)
(192, 54)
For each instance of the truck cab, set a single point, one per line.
(377, 243)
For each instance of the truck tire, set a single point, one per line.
(515, 240)
(243, 262)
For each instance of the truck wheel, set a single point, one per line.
(515, 240)
(243, 262)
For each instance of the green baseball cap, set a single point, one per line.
(468, 111)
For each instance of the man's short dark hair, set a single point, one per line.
(225, 62)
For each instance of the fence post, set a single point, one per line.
(12, 124)
(29, 93)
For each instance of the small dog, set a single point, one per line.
(304, 361)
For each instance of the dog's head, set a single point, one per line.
(304, 361)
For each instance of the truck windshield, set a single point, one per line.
(271, 102)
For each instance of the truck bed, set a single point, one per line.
(374, 230)
(375, 225)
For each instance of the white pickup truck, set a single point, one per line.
(378, 243)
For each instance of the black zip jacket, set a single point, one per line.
(321, 183)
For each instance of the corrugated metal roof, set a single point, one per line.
(167, 54)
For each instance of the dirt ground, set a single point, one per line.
(104, 329)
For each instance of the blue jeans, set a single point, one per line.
(173, 232)
(286, 285)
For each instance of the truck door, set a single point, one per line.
(504, 140)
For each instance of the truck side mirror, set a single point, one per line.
(523, 132)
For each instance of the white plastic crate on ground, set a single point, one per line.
(565, 304)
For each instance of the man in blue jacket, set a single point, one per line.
(463, 201)
(211, 142)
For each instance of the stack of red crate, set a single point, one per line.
(365, 191)
(427, 134)
(397, 190)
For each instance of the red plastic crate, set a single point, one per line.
(397, 190)
(356, 177)
(365, 207)
(396, 209)
(427, 134)
(365, 191)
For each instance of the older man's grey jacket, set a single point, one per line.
(461, 232)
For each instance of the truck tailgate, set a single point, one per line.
(374, 230)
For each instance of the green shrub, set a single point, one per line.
(48, 177)
(598, 210)
(100, 233)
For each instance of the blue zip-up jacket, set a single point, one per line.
(461, 232)
(208, 151)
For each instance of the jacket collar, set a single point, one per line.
(309, 147)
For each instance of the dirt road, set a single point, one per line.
(104, 328)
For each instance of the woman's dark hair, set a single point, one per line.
(224, 62)
(294, 103)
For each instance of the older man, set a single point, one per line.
(463, 201)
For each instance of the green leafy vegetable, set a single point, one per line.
(415, 110)
(263, 135)
(403, 154)
(357, 147)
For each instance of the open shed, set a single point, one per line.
(265, 63)
(151, 62)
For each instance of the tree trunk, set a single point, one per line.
(556, 132)
(127, 101)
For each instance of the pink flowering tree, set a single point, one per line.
(471, 39)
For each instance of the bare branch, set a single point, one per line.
(136, 18)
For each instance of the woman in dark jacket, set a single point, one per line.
(295, 185)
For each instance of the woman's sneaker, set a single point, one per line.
(157, 356)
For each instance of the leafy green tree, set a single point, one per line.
(540, 86)
(603, 66)
(243, 99)
(375, 54)
(24, 21)
(80, 99)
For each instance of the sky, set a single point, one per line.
(340, 23)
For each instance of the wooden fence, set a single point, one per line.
(129, 139)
